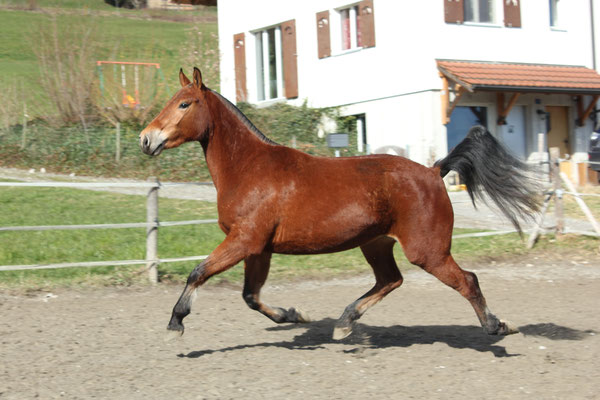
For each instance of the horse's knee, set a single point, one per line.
(251, 300)
(470, 288)
(396, 283)
(197, 274)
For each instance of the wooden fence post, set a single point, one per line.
(558, 192)
(535, 232)
(118, 143)
(152, 232)
(581, 203)
(24, 133)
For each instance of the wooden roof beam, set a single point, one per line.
(502, 110)
(458, 94)
(447, 105)
(582, 114)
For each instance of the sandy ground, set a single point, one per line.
(422, 341)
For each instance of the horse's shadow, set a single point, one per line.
(316, 335)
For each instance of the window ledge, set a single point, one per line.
(482, 24)
(349, 51)
(557, 29)
(270, 102)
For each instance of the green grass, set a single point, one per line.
(572, 208)
(49, 206)
(63, 4)
(126, 35)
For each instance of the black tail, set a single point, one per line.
(483, 164)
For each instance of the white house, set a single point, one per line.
(418, 74)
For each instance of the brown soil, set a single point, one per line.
(423, 341)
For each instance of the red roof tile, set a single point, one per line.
(521, 77)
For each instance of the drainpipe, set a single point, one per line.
(593, 34)
(593, 28)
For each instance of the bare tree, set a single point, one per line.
(66, 59)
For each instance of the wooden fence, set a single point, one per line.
(152, 224)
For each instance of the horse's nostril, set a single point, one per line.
(146, 142)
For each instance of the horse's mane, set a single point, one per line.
(238, 113)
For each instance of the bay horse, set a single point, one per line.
(275, 199)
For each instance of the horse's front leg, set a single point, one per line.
(255, 276)
(231, 251)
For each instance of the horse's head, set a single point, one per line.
(185, 118)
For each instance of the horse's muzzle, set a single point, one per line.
(152, 143)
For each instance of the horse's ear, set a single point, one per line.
(197, 78)
(183, 79)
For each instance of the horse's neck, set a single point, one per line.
(231, 146)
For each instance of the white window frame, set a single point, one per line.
(497, 10)
(362, 145)
(555, 10)
(263, 67)
(337, 41)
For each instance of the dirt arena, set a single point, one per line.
(422, 341)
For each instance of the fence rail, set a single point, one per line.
(107, 226)
(152, 224)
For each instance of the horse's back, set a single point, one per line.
(331, 204)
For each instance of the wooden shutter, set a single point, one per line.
(512, 13)
(454, 12)
(366, 23)
(290, 64)
(323, 35)
(239, 55)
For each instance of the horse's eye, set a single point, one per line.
(184, 105)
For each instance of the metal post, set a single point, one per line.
(152, 232)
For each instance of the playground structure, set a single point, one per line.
(129, 99)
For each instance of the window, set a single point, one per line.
(268, 64)
(554, 13)
(276, 62)
(361, 134)
(481, 11)
(350, 28)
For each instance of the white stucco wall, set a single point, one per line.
(396, 83)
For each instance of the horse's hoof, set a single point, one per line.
(506, 328)
(341, 332)
(172, 335)
(301, 316)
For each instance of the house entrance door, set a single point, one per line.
(558, 135)
(513, 133)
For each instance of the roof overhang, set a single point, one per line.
(516, 79)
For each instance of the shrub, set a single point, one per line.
(66, 149)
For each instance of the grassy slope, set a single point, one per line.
(65, 4)
(120, 34)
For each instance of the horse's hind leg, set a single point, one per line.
(442, 266)
(379, 254)
(256, 271)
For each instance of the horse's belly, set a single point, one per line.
(313, 234)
